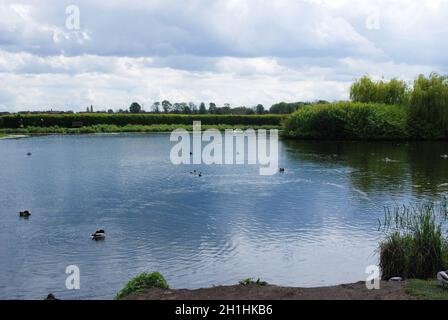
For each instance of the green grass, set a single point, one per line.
(106, 128)
(427, 289)
(141, 282)
(249, 281)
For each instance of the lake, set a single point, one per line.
(314, 225)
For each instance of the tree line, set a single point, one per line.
(166, 107)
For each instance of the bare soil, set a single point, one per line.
(354, 291)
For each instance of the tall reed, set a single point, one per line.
(415, 244)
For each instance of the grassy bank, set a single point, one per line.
(426, 290)
(104, 128)
(87, 120)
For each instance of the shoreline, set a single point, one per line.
(353, 291)
(112, 129)
(11, 134)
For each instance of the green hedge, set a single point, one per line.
(348, 120)
(110, 128)
(69, 120)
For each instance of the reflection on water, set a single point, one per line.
(313, 225)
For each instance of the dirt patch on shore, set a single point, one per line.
(355, 291)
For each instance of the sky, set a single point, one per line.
(68, 55)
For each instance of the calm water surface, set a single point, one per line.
(314, 225)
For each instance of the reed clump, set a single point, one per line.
(415, 245)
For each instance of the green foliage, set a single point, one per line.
(285, 108)
(242, 110)
(167, 106)
(249, 281)
(426, 290)
(202, 108)
(108, 128)
(68, 120)
(348, 120)
(141, 282)
(259, 109)
(427, 102)
(389, 92)
(135, 108)
(428, 107)
(415, 246)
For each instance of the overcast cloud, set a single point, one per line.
(234, 51)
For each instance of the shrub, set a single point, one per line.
(416, 246)
(141, 282)
(348, 120)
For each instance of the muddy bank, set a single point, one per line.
(355, 291)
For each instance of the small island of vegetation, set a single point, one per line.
(378, 110)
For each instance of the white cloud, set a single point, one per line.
(242, 51)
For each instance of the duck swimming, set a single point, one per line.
(98, 235)
(24, 214)
(281, 170)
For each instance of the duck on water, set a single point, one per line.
(24, 214)
(99, 235)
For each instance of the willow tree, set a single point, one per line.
(389, 92)
(429, 106)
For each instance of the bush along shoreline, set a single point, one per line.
(348, 121)
(379, 110)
